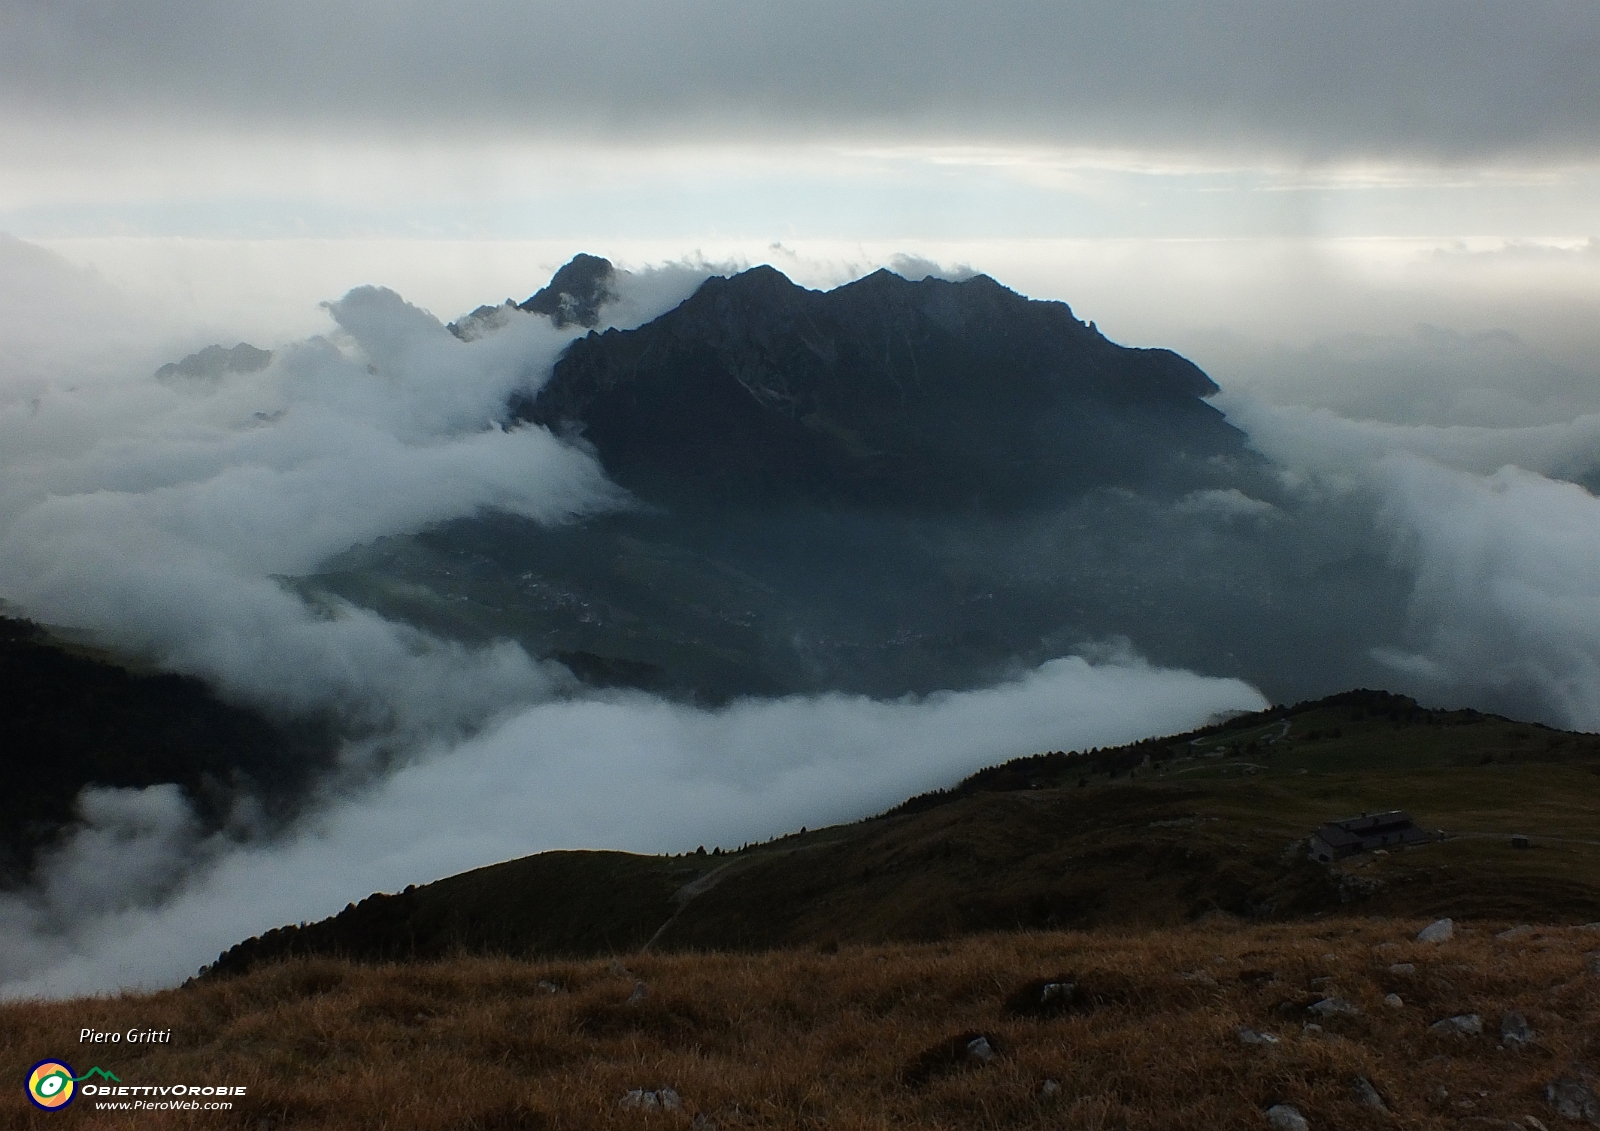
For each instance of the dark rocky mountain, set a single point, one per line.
(884, 393)
(576, 292)
(890, 487)
(573, 297)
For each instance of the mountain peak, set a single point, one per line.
(576, 292)
(884, 391)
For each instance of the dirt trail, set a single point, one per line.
(702, 884)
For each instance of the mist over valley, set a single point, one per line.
(666, 557)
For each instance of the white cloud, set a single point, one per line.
(624, 772)
(158, 516)
(1225, 503)
(1507, 593)
(1504, 559)
(1320, 441)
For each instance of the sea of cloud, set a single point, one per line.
(162, 517)
(138, 897)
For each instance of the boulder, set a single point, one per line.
(1250, 1036)
(1461, 1025)
(1573, 1098)
(1367, 1095)
(1286, 1117)
(1333, 1007)
(1514, 1030)
(1440, 930)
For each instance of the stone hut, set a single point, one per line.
(1338, 839)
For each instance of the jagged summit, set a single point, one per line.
(573, 297)
(880, 392)
(210, 366)
(576, 292)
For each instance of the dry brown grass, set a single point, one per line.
(810, 1040)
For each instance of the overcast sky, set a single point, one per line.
(1463, 80)
(501, 119)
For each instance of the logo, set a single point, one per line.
(50, 1085)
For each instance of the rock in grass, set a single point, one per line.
(1403, 969)
(1050, 1088)
(663, 1099)
(1249, 1036)
(1045, 997)
(1056, 991)
(1286, 1117)
(1394, 1001)
(1060, 995)
(1333, 1007)
(964, 1050)
(1513, 933)
(1367, 1095)
(1515, 1032)
(1573, 1098)
(1461, 1025)
(640, 992)
(1440, 930)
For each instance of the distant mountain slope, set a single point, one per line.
(883, 392)
(1155, 833)
(891, 487)
(69, 719)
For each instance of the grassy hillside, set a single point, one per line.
(1155, 834)
(867, 1037)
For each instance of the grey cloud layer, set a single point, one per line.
(1417, 78)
